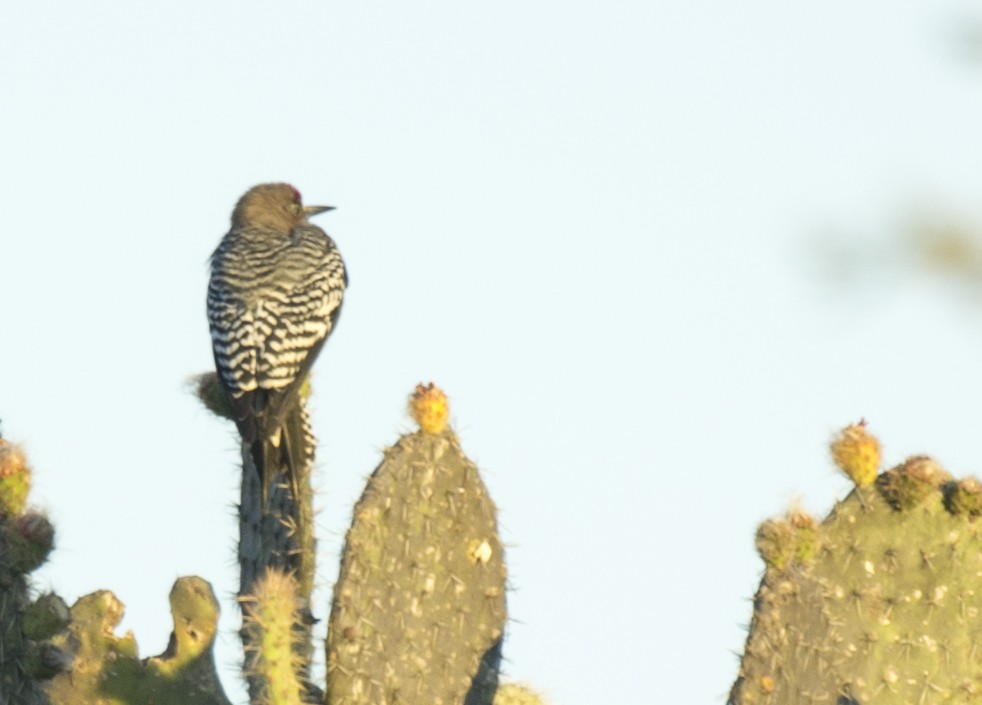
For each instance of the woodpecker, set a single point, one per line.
(275, 293)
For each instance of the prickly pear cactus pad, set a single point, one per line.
(419, 607)
(107, 670)
(879, 603)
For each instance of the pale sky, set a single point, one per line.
(593, 224)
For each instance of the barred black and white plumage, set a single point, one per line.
(275, 293)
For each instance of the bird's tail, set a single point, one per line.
(286, 458)
(298, 449)
(276, 507)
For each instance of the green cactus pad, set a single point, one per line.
(888, 610)
(419, 608)
(107, 670)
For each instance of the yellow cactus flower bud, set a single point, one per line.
(428, 407)
(857, 453)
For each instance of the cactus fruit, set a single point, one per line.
(419, 607)
(15, 479)
(428, 407)
(857, 453)
(29, 540)
(793, 538)
(885, 608)
(964, 497)
(908, 485)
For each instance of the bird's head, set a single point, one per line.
(274, 206)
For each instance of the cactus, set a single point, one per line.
(26, 540)
(878, 603)
(418, 611)
(419, 607)
(856, 452)
(106, 669)
(280, 536)
(270, 615)
(516, 694)
(275, 534)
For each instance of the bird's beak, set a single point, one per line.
(314, 210)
